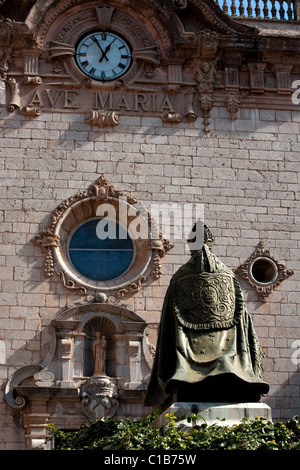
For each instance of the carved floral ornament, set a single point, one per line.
(263, 272)
(85, 206)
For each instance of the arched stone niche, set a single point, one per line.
(128, 359)
(107, 328)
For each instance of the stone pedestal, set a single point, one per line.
(223, 414)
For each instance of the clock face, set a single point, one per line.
(103, 56)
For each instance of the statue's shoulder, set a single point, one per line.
(185, 270)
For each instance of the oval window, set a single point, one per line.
(263, 270)
(101, 257)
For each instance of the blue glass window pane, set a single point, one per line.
(100, 260)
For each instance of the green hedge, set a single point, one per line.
(127, 434)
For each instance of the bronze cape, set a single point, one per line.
(207, 349)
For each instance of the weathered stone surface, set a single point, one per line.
(244, 170)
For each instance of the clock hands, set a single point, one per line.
(103, 56)
(103, 52)
(106, 50)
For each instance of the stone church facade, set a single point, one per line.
(146, 115)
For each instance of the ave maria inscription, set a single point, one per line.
(52, 98)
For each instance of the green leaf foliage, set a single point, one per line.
(144, 434)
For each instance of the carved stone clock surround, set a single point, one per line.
(60, 41)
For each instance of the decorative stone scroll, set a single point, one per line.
(102, 118)
(31, 111)
(15, 100)
(18, 402)
(171, 117)
(263, 272)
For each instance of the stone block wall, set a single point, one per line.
(245, 172)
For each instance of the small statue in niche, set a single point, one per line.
(99, 394)
(99, 352)
(207, 349)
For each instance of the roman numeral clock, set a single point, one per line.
(99, 51)
(103, 55)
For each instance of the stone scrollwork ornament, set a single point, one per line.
(18, 402)
(171, 117)
(70, 284)
(31, 111)
(102, 118)
(132, 288)
(15, 97)
(58, 49)
(44, 378)
(160, 246)
(151, 55)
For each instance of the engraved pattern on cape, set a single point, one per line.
(205, 300)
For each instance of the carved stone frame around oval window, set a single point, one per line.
(278, 272)
(83, 206)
